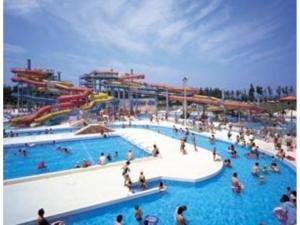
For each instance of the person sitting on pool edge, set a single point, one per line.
(161, 186)
(86, 163)
(43, 221)
(102, 159)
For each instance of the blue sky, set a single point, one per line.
(226, 44)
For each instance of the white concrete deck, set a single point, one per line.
(83, 189)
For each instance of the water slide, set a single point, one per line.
(77, 96)
(96, 99)
(175, 89)
(228, 104)
(27, 120)
(51, 115)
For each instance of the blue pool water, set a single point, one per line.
(22, 133)
(210, 202)
(16, 165)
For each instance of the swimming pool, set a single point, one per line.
(16, 165)
(208, 202)
(22, 133)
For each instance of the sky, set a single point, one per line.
(215, 43)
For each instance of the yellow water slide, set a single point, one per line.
(207, 97)
(50, 115)
(95, 99)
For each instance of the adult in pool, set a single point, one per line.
(138, 214)
(236, 185)
(274, 168)
(227, 163)
(119, 220)
(180, 220)
(255, 169)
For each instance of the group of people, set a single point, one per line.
(85, 164)
(127, 179)
(104, 158)
(286, 213)
(141, 220)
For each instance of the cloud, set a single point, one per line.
(209, 29)
(12, 48)
(21, 7)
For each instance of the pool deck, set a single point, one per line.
(86, 188)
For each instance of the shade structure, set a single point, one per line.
(232, 105)
(215, 109)
(288, 99)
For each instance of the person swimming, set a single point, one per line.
(129, 155)
(41, 165)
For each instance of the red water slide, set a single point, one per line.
(28, 81)
(78, 98)
(30, 73)
(27, 120)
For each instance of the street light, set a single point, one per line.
(184, 80)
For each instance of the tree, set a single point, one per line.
(251, 93)
(238, 94)
(278, 91)
(291, 90)
(270, 92)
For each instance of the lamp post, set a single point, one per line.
(184, 80)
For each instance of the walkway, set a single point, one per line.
(91, 187)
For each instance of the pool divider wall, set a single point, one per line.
(62, 139)
(73, 171)
(132, 196)
(128, 198)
